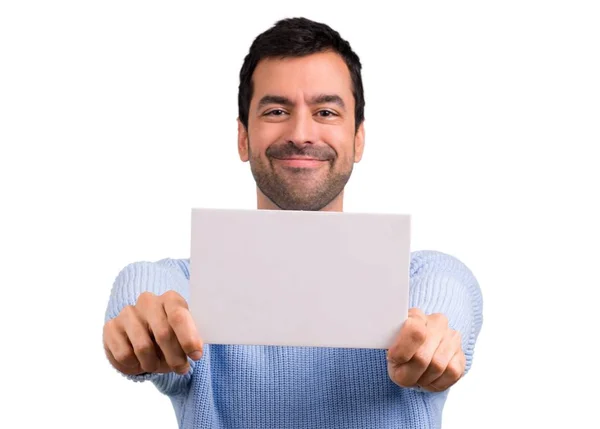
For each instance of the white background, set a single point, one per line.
(482, 121)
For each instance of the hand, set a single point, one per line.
(426, 354)
(156, 335)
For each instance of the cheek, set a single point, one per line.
(261, 137)
(341, 141)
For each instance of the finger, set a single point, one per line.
(410, 372)
(412, 335)
(163, 366)
(184, 327)
(135, 370)
(413, 313)
(452, 374)
(139, 336)
(417, 313)
(118, 349)
(446, 350)
(170, 356)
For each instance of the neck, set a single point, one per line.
(264, 203)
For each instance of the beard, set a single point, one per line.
(301, 188)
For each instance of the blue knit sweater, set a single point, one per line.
(236, 386)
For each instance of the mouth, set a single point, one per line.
(300, 162)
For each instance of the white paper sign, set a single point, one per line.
(299, 278)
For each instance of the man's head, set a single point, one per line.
(301, 113)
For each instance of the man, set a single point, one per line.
(301, 129)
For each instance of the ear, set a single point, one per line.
(359, 142)
(242, 141)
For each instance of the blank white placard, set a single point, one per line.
(299, 278)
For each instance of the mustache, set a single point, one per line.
(288, 150)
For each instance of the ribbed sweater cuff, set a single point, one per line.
(138, 277)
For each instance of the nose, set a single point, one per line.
(302, 128)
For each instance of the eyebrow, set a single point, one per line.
(328, 98)
(318, 99)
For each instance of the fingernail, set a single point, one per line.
(196, 355)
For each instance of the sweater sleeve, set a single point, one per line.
(158, 278)
(440, 283)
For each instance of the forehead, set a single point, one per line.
(320, 73)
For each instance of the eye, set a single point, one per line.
(275, 112)
(326, 113)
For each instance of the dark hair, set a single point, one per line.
(297, 37)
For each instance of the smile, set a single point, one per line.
(300, 162)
